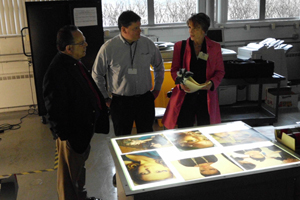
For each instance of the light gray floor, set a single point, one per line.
(31, 148)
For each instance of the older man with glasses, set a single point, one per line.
(76, 109)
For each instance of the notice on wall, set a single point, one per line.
(85, 16)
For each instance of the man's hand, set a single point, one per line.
(155, 93)
(108, 102)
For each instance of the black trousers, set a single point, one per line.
(194, 107)
(127, 109)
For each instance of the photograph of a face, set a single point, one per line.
(189, 140)
(147, 167)
(231, 138)
(258, 158)
(143, 143)
(205, 166)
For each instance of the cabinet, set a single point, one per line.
(162, 100)
(252, 112)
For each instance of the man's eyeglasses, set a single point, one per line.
(80, 43)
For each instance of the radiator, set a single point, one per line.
(17, 90)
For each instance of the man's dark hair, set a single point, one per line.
(202, 19)
(126, 18)
(65, 37)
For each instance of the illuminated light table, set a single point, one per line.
(273, 172)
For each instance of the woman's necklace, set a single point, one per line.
(197, 48)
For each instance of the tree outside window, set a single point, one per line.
(282, 9)
(173, 11)
(111, 10)
(249, 9)
(165, 11)
(243, 9)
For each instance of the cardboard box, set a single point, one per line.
(289, 137)
(287, 98)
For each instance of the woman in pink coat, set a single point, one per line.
(203, 57)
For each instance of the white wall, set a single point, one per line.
(17, 86)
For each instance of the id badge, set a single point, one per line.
(202, 55)
(132, 71)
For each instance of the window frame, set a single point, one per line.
(201, 4)
(222, 14)
(219, 19)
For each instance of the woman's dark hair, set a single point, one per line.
(126, 18)
(65, 37)
(202, 19)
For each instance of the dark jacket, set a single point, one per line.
(72, 107)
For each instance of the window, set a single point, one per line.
(262, 9)
(154, 12)
(173, 11)
(111, 9)
(282, 9)
(243, 9)
(165, 11)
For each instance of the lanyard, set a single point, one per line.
(132, 57)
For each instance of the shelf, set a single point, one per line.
(250, 114)
(247, 81)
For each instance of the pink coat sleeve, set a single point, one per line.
(176, 60)
(215, 68)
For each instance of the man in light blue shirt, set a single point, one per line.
(125, 61)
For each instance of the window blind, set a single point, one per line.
(13, 16)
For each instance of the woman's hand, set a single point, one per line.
(207, 86)
(184, 87)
